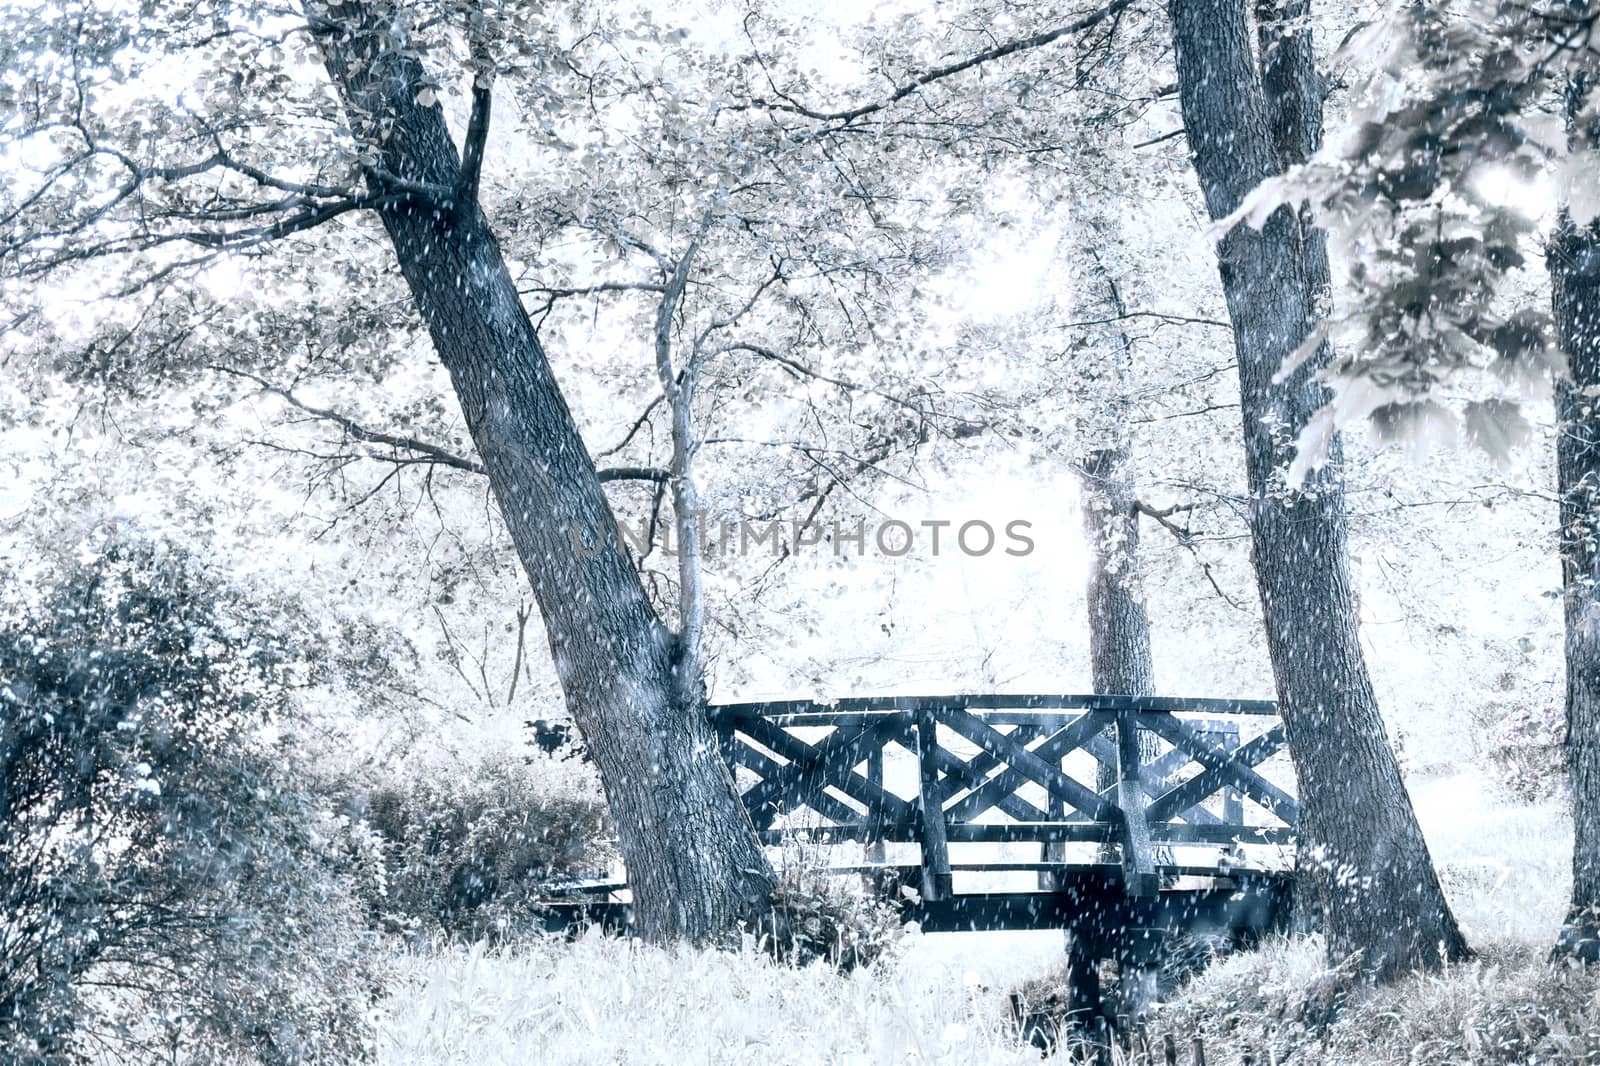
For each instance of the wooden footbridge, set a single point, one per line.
(1138, 779)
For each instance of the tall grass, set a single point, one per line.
(602, 1000)
(599, 1000)
(1508, 1007)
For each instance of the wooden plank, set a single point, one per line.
(1062, 832)
(1007, 781)
(1162, 769)
(935, 849)
(1256, 906)
(900, 830)
(875, 849)
(968, 775)
(1232, 799)
(1187, 797)
(832, 762)
(724, 728)
(1235, 769)
(1138, 857)
(976, 769)
(1030, 764)
(1152, 777)
(1175, 759)
(1111, 833)
(1041, 719)
(1232, 768)
(997, 702)
(1195, 815)
(829, 762)
(906, 830)
(1102, 751)
(819, 801)
(1138, 854)
(910, 873)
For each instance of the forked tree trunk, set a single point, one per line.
(1574, 261)
(693, 862)
(1365, 865)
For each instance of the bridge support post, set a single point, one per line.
(875, 852)
(1085, 1009)
(1053, 851)
(1138, 856)
(1140, 948)
(936, 879)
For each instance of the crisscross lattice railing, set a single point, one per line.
(830, 759)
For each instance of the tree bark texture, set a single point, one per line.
(693, 862)
(1364, 863)
(1574, 262)
(1120, 661)
(1119, 629)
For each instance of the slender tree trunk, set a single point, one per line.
(1120, 661)
(693, 862)
(1119, 641)
(678, 390)
(1365, 865)
(1574, 261)
(1119, 629)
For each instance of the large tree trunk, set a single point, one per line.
(1574, 260)
(693, 862)
(1365, 866)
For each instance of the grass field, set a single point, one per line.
(941, 999)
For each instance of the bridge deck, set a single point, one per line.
(1089, 899)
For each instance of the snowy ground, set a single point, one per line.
(942, 1000)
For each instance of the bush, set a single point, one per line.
(1508, 1007)
(164, 882)
(821, 916)
(468, 855)
(1529, 748)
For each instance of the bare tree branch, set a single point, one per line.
(356, 430)
(633, 473)
(1185, 538)
(927, 78)
(429, 453)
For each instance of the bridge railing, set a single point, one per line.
(1012, 742)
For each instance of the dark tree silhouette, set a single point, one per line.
(1365, 865)
(1574, 260)
(694, 865)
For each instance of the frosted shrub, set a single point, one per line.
(546, 1001)
(467, 854)
(1528, 749)
(836, 919)
(164, 883)
(1509, 1008)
